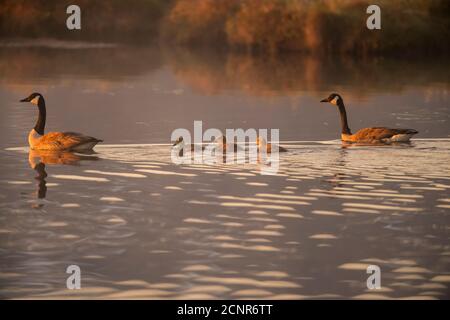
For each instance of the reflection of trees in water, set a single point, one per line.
(287, 74)
(25, 64)
(211, 72)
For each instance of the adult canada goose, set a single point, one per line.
(55, 141)
(368, 135)
(262, 144)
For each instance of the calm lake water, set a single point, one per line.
(140, 226)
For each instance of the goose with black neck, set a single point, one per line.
(55, 141)
(373, 135)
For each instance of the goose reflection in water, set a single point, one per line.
(338, 164)
(38, 159)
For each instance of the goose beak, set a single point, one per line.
(324, 100)
(24, 100)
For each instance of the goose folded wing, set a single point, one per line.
(380, 133)
(65, 140)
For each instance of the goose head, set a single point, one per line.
(220, 141)
(261, 142)
(179, 142)
(34, 98)
(333, 98)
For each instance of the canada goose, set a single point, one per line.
(180, 146)
(262, 144)
(180, 143)
(68, 141)
(220, 143)
(368, 135)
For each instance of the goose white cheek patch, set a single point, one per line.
(335, 100)
(35, 100)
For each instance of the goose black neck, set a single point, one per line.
(344, 123)
(40, 123)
